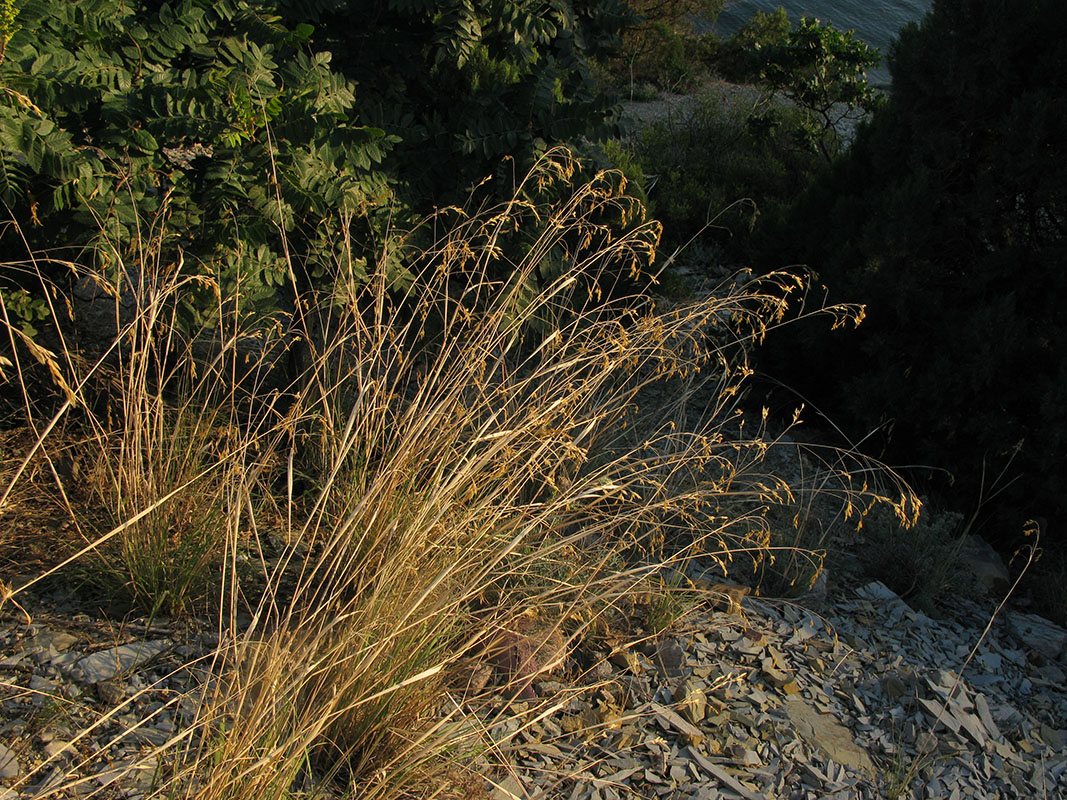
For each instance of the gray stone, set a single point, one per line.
(725, 778)
(1052, 673)
(939, 714)
(55, 778)
(984, 565)
(692, 701)
(972, 726)
(55, 640)
(894, 687)
(982, 707)
(9, 765)
(55, 749)
(508, 789)
(43, 686)
(106, 664)
(876, 591)
(627, 659)
(669, 719)
(1039, 634)
(829, 735)
(991, 661)
(111, 692)
(146, 735)
(16, 659)
(670, 658)
(1050, 736)
(131, 774)
(64, 660)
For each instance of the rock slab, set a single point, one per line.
(104, 665)
(830, 736)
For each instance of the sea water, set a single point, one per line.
(876, 22)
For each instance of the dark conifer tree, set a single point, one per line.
(947, 218)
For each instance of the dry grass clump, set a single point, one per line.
(485, 461)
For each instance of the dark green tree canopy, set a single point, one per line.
(463, 83)
(947, 218)
(664, 48)
(255, 139)
(210, 128)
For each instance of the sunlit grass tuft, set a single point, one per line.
(495, 458)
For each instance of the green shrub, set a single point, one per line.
(660, 49)
(709, 167)
(466, 84)
(271, 139)
(819, 70)
(213, 118)
(919, 563)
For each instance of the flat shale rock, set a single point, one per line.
(104, 665)
(821, 730)
(869, 697)
(9, 765)
(757, 700)
(77, 706)
(1039, 634)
